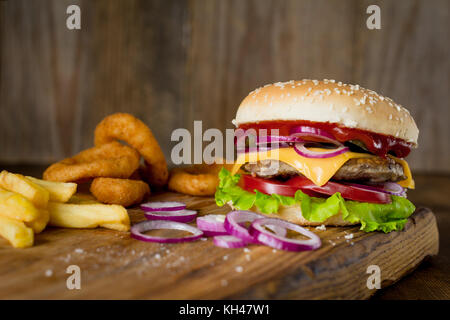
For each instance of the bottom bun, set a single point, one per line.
(294, 214)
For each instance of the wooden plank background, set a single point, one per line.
(173, 62)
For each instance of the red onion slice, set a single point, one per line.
(163, 206)
(178, 216)
(387, 187)
(230, 242)
(235, 220)
(394, 189)
(212, 223)
(304, 152)
(315, 133)
(214, 233)
(138, 229)
(258, 230)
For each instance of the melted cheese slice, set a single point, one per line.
(318, 171)
(409, 181)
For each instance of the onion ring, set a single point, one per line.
(124, 192)
(109, 160)
(195, 180)
(125, 127)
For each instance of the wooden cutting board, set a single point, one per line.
(114, 266)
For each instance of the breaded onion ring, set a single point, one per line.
(109, 160)
(125, 127)
(124, 192)
(196, 180)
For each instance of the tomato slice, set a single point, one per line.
(289, 188)
(268, 186)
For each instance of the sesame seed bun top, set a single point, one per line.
(328, 101)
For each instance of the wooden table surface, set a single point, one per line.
(431, 280)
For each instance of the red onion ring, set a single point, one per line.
(163, 206)
(394, 189)
(229, 242)
(260, 234)
(138, 229)
(178, 216)
(321, 135)
(387, 187)
(212, 224)
(233, 222)
(234, 225)
(304, 152)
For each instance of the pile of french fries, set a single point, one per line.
(28, 205)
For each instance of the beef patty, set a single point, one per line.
(374, 170)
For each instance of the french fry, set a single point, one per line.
(20, 184)
(16, 232)
(16, 206)
(69, 215)
(83, 199)
(59, 191)
(39, 224)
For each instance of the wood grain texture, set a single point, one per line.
(115, 266)
(173, 62)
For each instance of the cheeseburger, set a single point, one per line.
(322, 153)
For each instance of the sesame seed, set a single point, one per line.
(239, 269)
(48, 273)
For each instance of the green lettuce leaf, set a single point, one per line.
(379, 217)
(373, 217)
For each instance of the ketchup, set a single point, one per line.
(376, 143)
